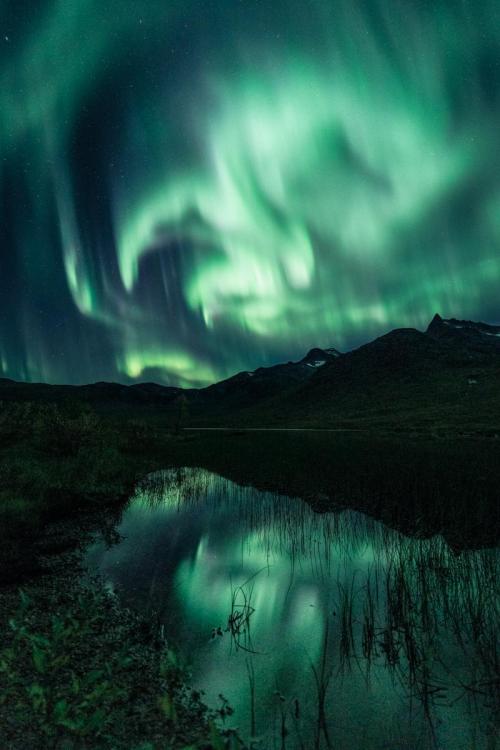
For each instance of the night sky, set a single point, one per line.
(188, 189)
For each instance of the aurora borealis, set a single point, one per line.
(188, 189)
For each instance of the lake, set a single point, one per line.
(321, 630)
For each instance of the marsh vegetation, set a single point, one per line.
(328, 626)
(363, 614)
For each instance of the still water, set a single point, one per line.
(322, 630)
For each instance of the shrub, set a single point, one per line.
(76, 675)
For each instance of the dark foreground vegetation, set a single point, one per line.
(59, 460)
(77, 670)
(66, 679)
(80, 671)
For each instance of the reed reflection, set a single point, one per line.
(328, 629)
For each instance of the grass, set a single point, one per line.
(238, 621)
(430, 617)
(62, 459)
(418, 486)
(78, 671)
(65, 460)
(423, 612)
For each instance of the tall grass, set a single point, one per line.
(421, 611)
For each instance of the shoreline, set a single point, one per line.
(62, 629)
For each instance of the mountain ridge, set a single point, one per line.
(448, 374)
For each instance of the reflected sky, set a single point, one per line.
(198, 549)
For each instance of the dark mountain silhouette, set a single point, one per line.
(446, 378)
(102, 392)
(475, 337)
(247, 388)
(449, 375)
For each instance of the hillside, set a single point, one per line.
(446, 379)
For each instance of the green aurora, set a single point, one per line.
(189, 189)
